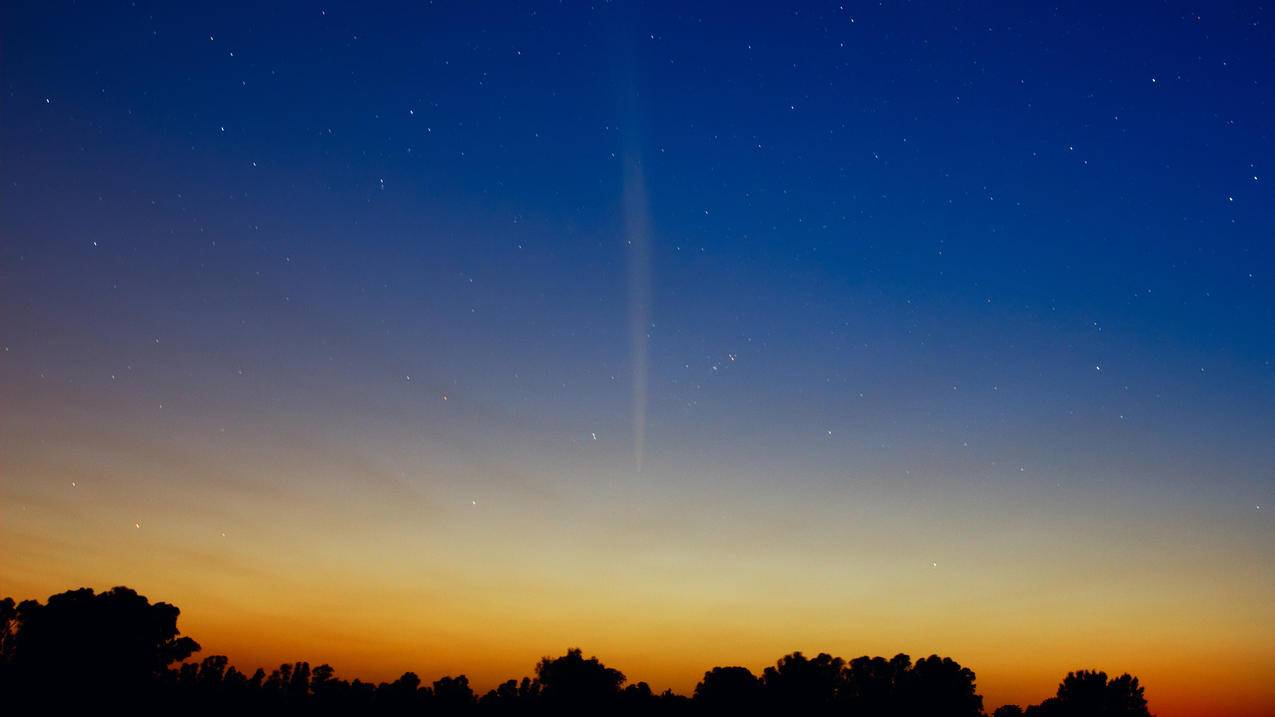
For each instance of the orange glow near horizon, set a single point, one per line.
(663, 600)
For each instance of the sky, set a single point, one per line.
(447, 336)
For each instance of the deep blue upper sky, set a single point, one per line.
(972, 193)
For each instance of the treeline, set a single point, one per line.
(83, 650)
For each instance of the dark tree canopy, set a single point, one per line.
(809, 685)
(938, 686)
(85, 651)
(113, 644)
(1087, 693)
(729, 689)
(571, 680)
(933, 687)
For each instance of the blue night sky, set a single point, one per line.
(957, 314)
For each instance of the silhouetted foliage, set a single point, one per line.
(452, 695)
(804, 685)
(727, 690)
(573, 683)
(8, 627)
(116, 650)
(939, 686)
(512, 697)
(84, 648)
(1088, 693)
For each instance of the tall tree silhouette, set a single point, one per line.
(112, 645)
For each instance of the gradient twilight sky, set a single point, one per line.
(931, 328)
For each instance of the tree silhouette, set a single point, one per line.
(574, 683)
(1087, 693)
(82, 650)
(8, 638)
(872, 685)
(115, 645)
(8, 627)
(939, 687)
(401, 695)
(513, 697)
(452, 695)
(807, 685)
(728, 690)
